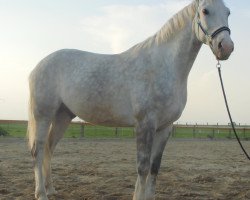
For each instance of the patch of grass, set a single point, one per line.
(15, 130)
(74, 131)
(212, 133)
(3, 132)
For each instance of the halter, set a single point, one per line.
(210, 37)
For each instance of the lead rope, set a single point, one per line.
(218, 65)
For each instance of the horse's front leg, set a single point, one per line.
(159, 142)
(144, 138)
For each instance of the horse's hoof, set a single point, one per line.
(150, 198)
(43, 198)
(51, 191)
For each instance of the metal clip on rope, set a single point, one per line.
(218, 65)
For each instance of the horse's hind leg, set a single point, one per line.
(59, 124)
(38, 128)
(37, 150)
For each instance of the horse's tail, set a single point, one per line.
(32, 123)
(31, 130)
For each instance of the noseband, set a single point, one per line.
(212, 36)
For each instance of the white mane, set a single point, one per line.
(176, 23)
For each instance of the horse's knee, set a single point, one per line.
(143, 166)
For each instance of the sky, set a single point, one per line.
(30, 30)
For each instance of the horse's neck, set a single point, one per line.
(181, 50)
(178, 51)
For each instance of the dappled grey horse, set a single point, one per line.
(144, 87)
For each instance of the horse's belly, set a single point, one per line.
(107, 119)
(103, 113)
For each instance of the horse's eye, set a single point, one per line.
(205, 11)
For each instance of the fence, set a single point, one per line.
(210, 131)
(90, 131)
(85, 130)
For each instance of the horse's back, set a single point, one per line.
(90, 85)
(63, 66)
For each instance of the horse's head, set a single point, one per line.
(211, 27)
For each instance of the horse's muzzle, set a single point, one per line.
(224, 49)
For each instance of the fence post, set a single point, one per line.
(230, 135)
(173, 131)
(116, 131)
(194, 132)
(82, 131)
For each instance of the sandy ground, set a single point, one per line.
(105, 170)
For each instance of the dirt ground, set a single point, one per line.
(105, 170)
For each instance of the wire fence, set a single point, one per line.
(84, 130)
(210, 131)
(90, 131)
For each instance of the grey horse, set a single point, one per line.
(144, 87)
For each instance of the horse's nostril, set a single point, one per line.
(220, 45)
